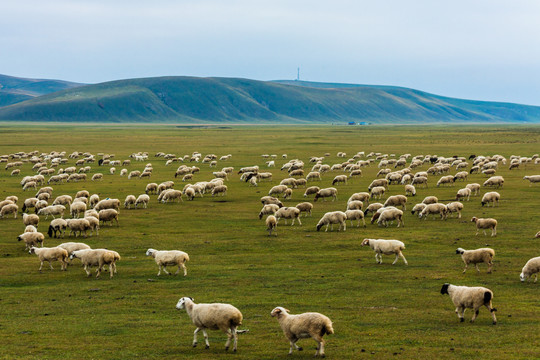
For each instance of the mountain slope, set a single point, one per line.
(206, 100)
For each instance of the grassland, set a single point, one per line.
(379, 311)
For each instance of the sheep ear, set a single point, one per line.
(191, 299)
(287, 310)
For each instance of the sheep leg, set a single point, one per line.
(461, 313)
(363, 222)
(88, 272)
(165, 269)
(50, 264)
(293, 345)
(466, 266)
(299, 222)
(397, 257)
(476, 311)
(377, 258)
(403, 257)
(41, 266)
(183, 267)
(228, 342)
(195, 337)
(476, 266)
(494, 231)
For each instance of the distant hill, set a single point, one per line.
(231, 100)
(15, 89)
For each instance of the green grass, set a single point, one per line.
(378, 311)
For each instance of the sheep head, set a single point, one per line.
(444, 289)
(181, 303)
(278, 310)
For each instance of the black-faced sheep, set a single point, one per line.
(465, 297)
(57, 226)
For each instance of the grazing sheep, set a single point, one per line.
(271, 224)
(465, 297)
(532, 267)
(52, 210)
(430, 200)
(94, 224)
(9, 209)
(301, 326)
(80, 225)
(31, 239)
(77, 208)
(97, 176)
(28, 204)
(57, 226)
(390, 215)
(373, 208)
(151, 188)
(172, 195)
(287, 194)
(311, 190)
(464, 193)
(354, 205)
(434, 209)
(378, 182)
(533, 179)
(454, 207)
(361, 196)
(386, 247)
(410, 190)
(327, 192)
(288, 213)
(63, 200)
(419, 180)
(50, 254)
(448, 179)
(314, 175)
(494, 181)
(96, 257)
(377, 192)
(355, 214)
(491, 197)
(30, 228)
(130, 200)
(271, 200)
(94, 199)
(108, 215)
(331, 218)
(483, 255)
(107, 204)
(418, 208)
(166, 258)
(483, 224)
(142, 199)
(268, 209)
(31, 219)
(340, 179)
(537, 235)
(305, 207)
(73, 246)
(396, 200)
(215, 316)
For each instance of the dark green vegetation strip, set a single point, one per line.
(379, 311)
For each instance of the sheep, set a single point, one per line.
(278, 189)
(52, 210)
(31, 239)
(434, 209)
(340, 179)
(327, 192)
(449, 179)
(50, 254)
(462, 175)
(63, 200)
(79, 225)
(73, 246)
(13, 198)
(390, 215)
(271, 224)
(418, 208)
(92, 213)
(430, 200)
(108, 215)
(361, 196)
(94, 199)
(483, 255)
(410, 190)
(354, 205)
(172, 195)
(107, 204)
(77, 208)
(314, 175)
(396, 200)
(331, 218)
(377, 192)
(28, 204)
(356, 214)
(419, 180)
(487, 223)
(532, 267)
(491, 197)
(288, 213)
(130, 200)
(94, 224)
(142, 199)
(537, 235)
(305, 207)
(533, 179)
(465, 297)
(311, 190)
(96, 257)
(30, 228)
(217, 316)
(31, 219)
(57, 225)
(301, 326)
(373, 208)
(166, 258)
(493, 181)
(378, 182)
(386, 247)
(271, 200)
(464, 193)
(9, 209)
(151, 188)
(454, 207)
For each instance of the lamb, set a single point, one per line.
(487, 223)
(130, 200)
(390, 215)
(463, 193)
(311, 190)
(108, 215)
(454, 207)
(410, 190)
(532, 267)
(52, 210)
(331, 218)
(434, 209)
(271, 224)
(288, 213)
(305, 207)
(340, 179)
(386, 247)
(491, 197)
(166, 258)
(224, 317)
(396, 200)
(356, 214)
(96, 257)
(494, 181)
(9, 209)
(142, 199)
(533, 179)
(57, 226)
(327, 192)
(301, 326)
(31, 239)
(483, 255)
(50, 254)
(31, 219)
(465, 297)
(80, 225)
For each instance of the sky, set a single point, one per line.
(473, 49)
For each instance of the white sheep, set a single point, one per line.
(224, 317)
(130, 200)
(94, 199)
(30, 228)
(377, 192)
(491, 197)
(434, 209)
(290, 212)
(494, 181)
(166, 258)
(311, 190)
(533, 179)
(9, 209)
(76, 208)
(355, 205)
(305, 207)
(356, 214)
(396, 200)
(418, 208)
(464, 193)
(302, 326)
(389, 215)
(271, 224)
(327, 192)
(142, 199)
(73, 246)
(107, 204)
(482, 255)
(483, 224)
(268, 209)
(94, 224)
(454, 207)
(96, 257)
(430, 200)
(30, 219)
(532, 267)
(386, 247)
(410, 190)
(50, 254)
(331, 218)
(57, 226)
(465, 297)
(340, 179)
(31, 239)
(108, 215)
(80, 225)
(373, 208)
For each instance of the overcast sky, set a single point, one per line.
(475, 49)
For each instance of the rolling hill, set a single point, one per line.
(232, 100)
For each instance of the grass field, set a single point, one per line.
(379, 311)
